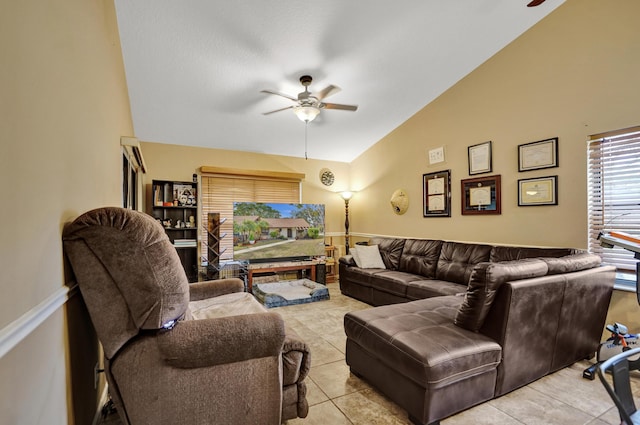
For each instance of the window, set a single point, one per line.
(614, 192)
(129, 184)
(132, 165)
(222, 187)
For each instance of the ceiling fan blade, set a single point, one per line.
(339, 106)
(535, 3)
(277, 110)
(279, 94)
(328, 91)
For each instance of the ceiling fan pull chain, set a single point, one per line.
(306, 123)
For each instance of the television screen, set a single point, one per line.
(277, 232)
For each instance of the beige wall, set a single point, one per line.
(572, 75)
(171, 162)
(64, 106)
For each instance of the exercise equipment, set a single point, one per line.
(621, 340)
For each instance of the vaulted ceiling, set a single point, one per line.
(195, 69)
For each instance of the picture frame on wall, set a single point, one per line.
(481, 195)
(480, 158)
(436, 188)
(538, 155)
(538, 191)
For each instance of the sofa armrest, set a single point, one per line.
(347, 260)
(209, 342)
(523, 320)
(214, 288)
(547, 322)
(485, 280)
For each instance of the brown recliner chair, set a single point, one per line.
(177, 353)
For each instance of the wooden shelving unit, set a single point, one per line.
(213, 244)
(330, 263)
(174, 203)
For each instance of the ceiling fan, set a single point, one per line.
(535, 3)
(308, 105)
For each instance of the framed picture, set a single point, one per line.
(538, 191)
(185, 194)
(537, 155)
(436, 188)
(481, 195)
(480, 158)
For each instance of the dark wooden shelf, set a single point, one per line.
(169, 191)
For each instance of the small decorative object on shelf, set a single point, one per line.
(175, 205)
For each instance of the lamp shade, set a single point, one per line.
(346, 195)
(306, 113)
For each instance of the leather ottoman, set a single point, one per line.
(415, 354)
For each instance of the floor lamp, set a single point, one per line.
(346, 196)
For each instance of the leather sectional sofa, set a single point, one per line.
(458, 324)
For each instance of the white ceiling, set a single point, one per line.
(195, 68)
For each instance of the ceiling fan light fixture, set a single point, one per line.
(306, 113)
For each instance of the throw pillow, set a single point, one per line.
(354, 254)
(367, 257)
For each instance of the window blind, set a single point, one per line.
(613, 173)
(220, 189)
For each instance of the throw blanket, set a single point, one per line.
(235, 304)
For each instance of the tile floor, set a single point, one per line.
(337, 397)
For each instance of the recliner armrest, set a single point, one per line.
(214, 288)
(296, 358)
(209, 342)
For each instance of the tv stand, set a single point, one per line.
(307, 269)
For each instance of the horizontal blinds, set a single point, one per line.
(614, 193)
(219, 192)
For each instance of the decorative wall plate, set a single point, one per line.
(399, 201)
(326, 177)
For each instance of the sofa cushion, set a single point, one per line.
(572, 263)
(367, 257)
(362, 276)
(420, 256)
(420, 289)
(485, 281)
(234, 304)
(509, 253)
(457, 260)
(393, 282)
(390, 250)
(420, 341)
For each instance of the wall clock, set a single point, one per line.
(326, 177)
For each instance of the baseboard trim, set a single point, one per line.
(12, 334)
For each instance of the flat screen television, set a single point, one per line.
(270, 232)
